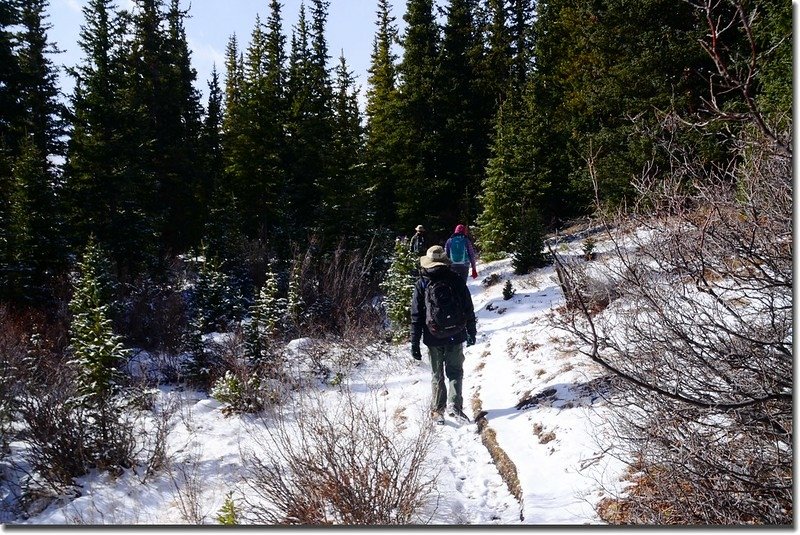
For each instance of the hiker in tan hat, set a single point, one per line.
(418, 241)
(443, 318)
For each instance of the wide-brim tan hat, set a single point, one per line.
(434, 257)
(420, 228)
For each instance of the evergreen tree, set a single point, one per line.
(398, 287)
(310, 122)
(465, 117)
(215, 298)
(773, 33)
(295, 304)
(44, 114)
(97, 355)
(10, 80)
(278, 104)
(512, 188)
(228, 513)
(234, 124)
(523, 14)
(258, 147)
(528, 243)
(211, 145)
(166, 116)
(12, 117)
(215, 305)
(35, 249)
(181, 188)
(419, 190)
(265, 317)
(32, 248)
(103, 187)
(344, 210)
(495, 69)
(382, 149)
(598, 66)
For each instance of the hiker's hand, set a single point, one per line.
(470, 340)
(474, 273)
(415, 352)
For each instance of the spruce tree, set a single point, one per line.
(465, 117)
(97, 355)
(265, 318)
(215, 297)
(10, 103)
(215, 305)
(10, 80)
(522, 33)
(181, 186)
(34, 242)
(29, 204)
(256, 141)
(419, 190)
(227, 194)
(496, 65)
(102, 184)
(344, 209)
(310, 124)
(381, 152)
(511, 187)
(165, 113)
(44, 112)
(773, 32)
(211, 145)
(595, 70)
(295, 304)
(528, 243)
(398, 288)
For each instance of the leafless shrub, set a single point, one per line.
(154, 438)
(703, 335)
(338, 463)
(55, 434)
(187, 485)
(703, 339)
(60, 438)
(338, 289)
(584, 283)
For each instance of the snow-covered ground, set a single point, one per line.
(554, 440)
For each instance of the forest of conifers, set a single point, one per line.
(511, 116)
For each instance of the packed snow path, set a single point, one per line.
(541, 399)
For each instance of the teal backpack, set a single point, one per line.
(458, 249)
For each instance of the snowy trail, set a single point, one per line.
(476, 494)
(471, 490)
(516, 358)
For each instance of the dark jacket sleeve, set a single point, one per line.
(417, 312)
(472, 328)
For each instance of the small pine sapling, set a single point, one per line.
(589, 245)
(398, 287)
(508, 290)
(227, 515)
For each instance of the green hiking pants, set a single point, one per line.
(446, 360)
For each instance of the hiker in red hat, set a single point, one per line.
(461, 253)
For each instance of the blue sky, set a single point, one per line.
(351, 28)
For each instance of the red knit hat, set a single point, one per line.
(460, 229)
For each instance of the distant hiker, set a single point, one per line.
(461, 252)
(418, 241)
(443, 318)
